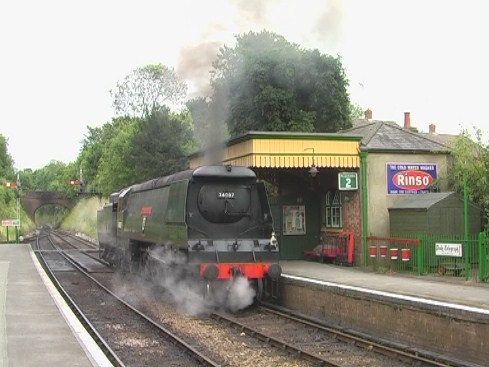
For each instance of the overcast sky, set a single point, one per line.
(59, 58)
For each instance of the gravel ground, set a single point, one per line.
(226, 345)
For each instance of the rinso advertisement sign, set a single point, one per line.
(410, 178)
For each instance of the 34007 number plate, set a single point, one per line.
(225, 195)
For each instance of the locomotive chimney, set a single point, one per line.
(407, 120)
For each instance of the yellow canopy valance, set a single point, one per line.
(285, 150)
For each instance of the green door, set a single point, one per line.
(297, 224)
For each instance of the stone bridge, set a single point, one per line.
(33, 200)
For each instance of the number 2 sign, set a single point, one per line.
(347, 181)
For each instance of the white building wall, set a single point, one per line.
(378, 198)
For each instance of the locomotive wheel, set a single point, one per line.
(259, 289)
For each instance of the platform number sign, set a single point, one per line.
(347, 181)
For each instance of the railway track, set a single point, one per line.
(219, 346)
(126, 335)
(325, 345)
(264, 336)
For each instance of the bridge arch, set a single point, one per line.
(33, 200)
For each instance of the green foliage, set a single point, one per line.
(161, 146)
(51, 177)
(356, 112)
(131, 150)
(52, 215)
(26, 178)
(114, 169)
(10, 208)
(6, 162)
(7, 201)
(471, 160)
(274, 85)
(83, 217)
(147, 89)
(94, 145)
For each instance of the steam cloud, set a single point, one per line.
(323, 31)
(195, 60)
(188, 292)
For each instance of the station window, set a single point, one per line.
(333, 209)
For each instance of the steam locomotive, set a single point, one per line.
(212, 223)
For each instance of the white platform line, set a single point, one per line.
(93, 351)
(391, 295)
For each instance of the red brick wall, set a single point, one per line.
(352, 220)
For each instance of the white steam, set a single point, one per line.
(241, 294)
(189, 293)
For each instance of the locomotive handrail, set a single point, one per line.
(247, 230)
(198, 230)
(217, 255)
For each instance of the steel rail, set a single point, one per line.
(275, 342)
(415, 357)
(167, 333)
(99, 340)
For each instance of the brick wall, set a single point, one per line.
(352, 220)
(458, 334)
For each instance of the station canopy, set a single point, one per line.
(284, 150)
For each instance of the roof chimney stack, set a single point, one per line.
(432, 128)
(407, 120)
(368, 114)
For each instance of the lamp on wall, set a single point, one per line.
(313, 171)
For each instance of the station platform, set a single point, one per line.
(37, 328)
(443, 291)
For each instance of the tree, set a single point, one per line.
(26, 178)
(472, 163)
(93, 146)
(356, 112)
(161, 145)
(274, 85)
(51, 177)
(114, 166)
(6, 162)
(147, 89)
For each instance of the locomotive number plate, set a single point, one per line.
(225, 195)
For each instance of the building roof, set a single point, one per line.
(389, 136)
(422, 201)
(261, 149)
(426, 201)
(445, 139)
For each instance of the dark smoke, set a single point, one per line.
(323, 31)
(195, 60)
(327, 28)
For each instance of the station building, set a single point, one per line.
(330, 183)
(400, 162)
